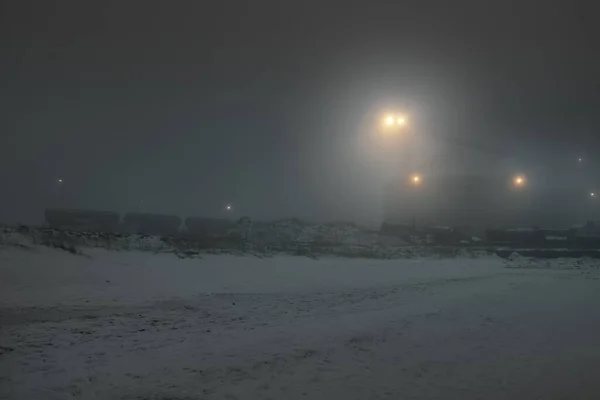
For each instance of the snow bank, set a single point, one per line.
(141, 325)
(290, 237)
(44, 276)
(289, 232)
(516, 260)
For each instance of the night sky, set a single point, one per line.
(181, 107)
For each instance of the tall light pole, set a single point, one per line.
(395, 134)
(520, 200)
(59, 185)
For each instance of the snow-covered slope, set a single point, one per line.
(138, 325)
(44, 276)
(280, 237)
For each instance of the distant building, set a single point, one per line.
(463, 188)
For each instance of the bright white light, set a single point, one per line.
(389, 120)
(593, 194)
(228, 207)
(60, 181)
(519, 181)
(580, 159)
(401, 121)
(416, 179)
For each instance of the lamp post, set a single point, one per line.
(395, 137)
(520, 200)
(59, 185)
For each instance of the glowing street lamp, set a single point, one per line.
(394, 121)
(59, 191)
(519, 181)
(416, 179)
(593, 194)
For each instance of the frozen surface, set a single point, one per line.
(136, 325)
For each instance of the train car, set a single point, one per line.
(82, 220)
(151, 224)
(208, 226)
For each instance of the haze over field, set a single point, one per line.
(183, 108)
(299, 200)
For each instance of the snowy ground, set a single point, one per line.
(133, 325)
